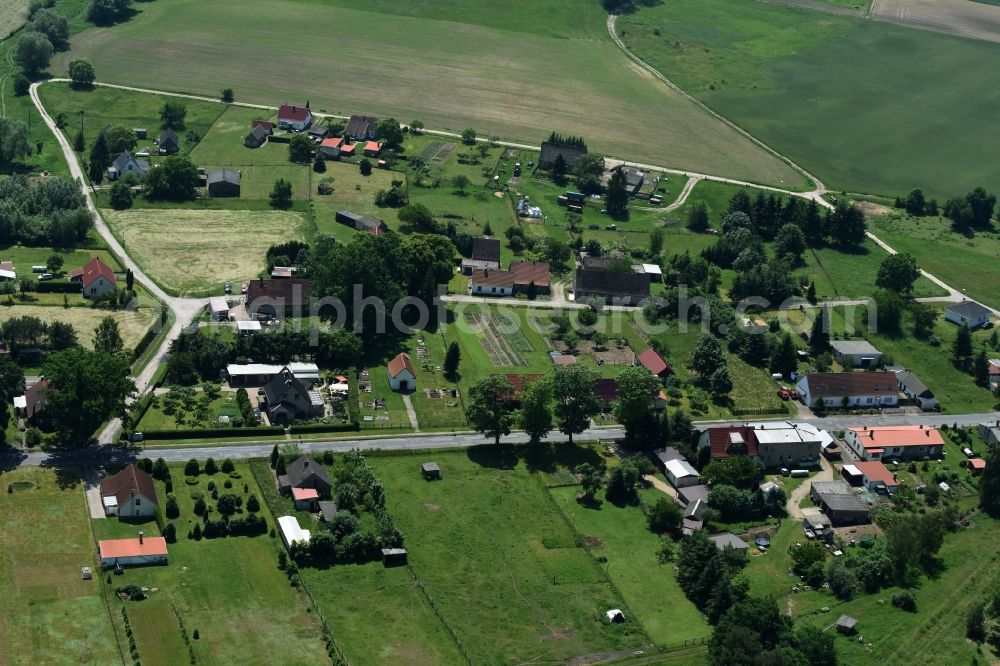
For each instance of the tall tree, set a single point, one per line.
(535, 415)
(388, 132)
(13, 141)
(300, 149)
(452, 358)
(173, 115)
(981, 368)
(33, 52)
(100, 157)
(819, 337)
(924, 315)
(989, 484)
(698, 217)
(107, 337)
(784, 360)
(616, 201)
(707, 356)
(574, 388)
(489, 407)
(559, 169)
(961, 349)
(634, 407)
(281, 194)
(173, 179)
(54, 26)
(87, 388)
(898, 272)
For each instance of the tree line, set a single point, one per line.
(45, 212)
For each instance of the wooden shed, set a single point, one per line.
(393, 557)
(430, 470)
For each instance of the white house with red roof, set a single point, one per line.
(133, 552)
(402, 375)
(894, 442)
(293, 117)
(96, 277)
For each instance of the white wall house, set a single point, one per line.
(865, 390)
(402, 375)
(967, 313)
(680, 473)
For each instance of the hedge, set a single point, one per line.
(324, 427)
(58, 288)
(211, 432)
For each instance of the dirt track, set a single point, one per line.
(964, 18)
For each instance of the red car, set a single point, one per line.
(793, 394)
(783, 394)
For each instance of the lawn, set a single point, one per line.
(836, 94)
(26, 257)
(48, 614)
(156, 419)
(353, 192)
(229, 589)
(620, 534)
(100, 107)
(131, 324)
(511, 587)
(194, 252)
(967, 263)
(487, 64)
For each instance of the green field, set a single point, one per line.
(222, 587)
(48, 614)
(967, 263)
(511, 587)
(836, 94)
(12, 15)
(484, 62)
(193, 252)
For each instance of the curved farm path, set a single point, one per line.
(825, 474)
(184, 309)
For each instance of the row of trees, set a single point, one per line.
(46, 212)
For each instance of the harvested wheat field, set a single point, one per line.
(193, 252)
(131, 324)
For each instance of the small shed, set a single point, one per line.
(846, 624)
(430, 470)
(86, 573)
(615, 616)
(140, 132)
(393, 557)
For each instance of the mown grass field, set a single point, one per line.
(131, 324)
(488, 63)
(511, 587)
(838, 95)
(12, 15)
(620, 534)
(229, 589)
(968, 263)
(49, 615)
(193, 252)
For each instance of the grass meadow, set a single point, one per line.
(229, 589)
(488, 68)
(836, 94)
(12, 15)
(48, 614)
(514, 586)
(968, 263)
(193, 252)
(131, 324)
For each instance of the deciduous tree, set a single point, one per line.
(281, 194)
(87, 388)
(898, 272)
(107, 337)
(33, 52)
(300, 149)
(172, 115)
(535, 415)
(489, 409)
(576, 400)
(173, 179)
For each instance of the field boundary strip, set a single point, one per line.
(100, 581)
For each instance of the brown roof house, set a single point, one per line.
(257, 137)
(611, 286)
(402, 375)
(849, 389)
(286, 398)
(129, 494)
(30, 405)
(361, 128)
(301, 476)
(272, 298)
(169, 142)
(485, 256)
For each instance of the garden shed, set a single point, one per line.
(430, 470)
(393, 557)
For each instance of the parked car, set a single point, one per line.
(229, 287)
(793, 394)
(783, 394)
(46, 276)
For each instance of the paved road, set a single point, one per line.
(107, 453)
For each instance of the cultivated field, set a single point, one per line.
(132, 324)
(12, 15)
(477, 73)
(195, 251)
(974, 20)
(49, 615)
(839, 95)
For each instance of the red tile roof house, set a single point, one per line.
(876, 477)
(267, 125)
(96, 277)
(129, 494)
(653, 362)
(894, 442)
(294, 117)
(402, 375)
(133, 552)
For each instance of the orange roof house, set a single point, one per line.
(142, 550)
(373, 148)
(875, 475)
(894, 442)
(402, 375)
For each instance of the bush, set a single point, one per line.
(211, 467)
(227, 466)
(905, 601)
(191, 480)
(227, 484)
(172, 509)
(191, 468)
(170, 533)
